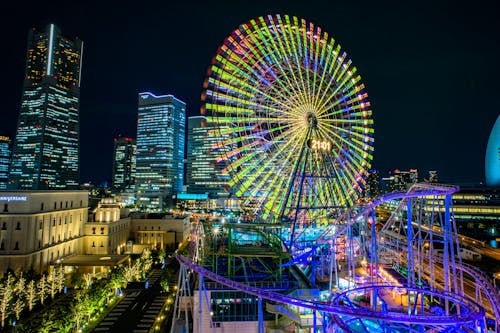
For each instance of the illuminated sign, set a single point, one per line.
(13, 198)
(316, 144)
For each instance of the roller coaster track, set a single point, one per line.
(417, 190)
(475, 312)
(338, 312)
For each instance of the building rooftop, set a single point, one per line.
(95, 260)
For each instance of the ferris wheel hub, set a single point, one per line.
(312, 120)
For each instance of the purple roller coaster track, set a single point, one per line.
(467, 315)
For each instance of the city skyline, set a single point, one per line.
(429, 70)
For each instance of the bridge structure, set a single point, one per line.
(402, 273)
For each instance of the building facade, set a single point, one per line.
(106, 232)
(5, 155)
(205, 172)
(160, 150)
(46, 147)
(160, 233)
(123, 164)
(38, 228)
(492, 160)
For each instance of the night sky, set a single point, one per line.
(431, 69)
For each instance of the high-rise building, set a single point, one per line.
(160, 149)
(5, 152)
(46, 148)
(492, 160)
(123, 164)
(372, 189)
(204, 174)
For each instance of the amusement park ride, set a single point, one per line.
(317, 257)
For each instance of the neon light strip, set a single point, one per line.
(80, 73)
(51, 44)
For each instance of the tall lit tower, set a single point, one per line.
(161, 128)
(204, 174)
(5, 152)
(492, 160)
(46, 148)
(123, 164)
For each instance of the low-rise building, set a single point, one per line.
(106, 232)
(40, 227)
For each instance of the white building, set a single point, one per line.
(39, 227)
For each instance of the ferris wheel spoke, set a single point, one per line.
(265, 50)
(231, 71)
(346, 86)
(273, 48)
(284, 45)
(258, 168)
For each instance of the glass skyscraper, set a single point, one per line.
(46, 148)
(123, 164)
(204, 173)
(5, 151)
(161, 127)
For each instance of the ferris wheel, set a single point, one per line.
(294, 124)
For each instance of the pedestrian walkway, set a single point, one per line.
(139, 309)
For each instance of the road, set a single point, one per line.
(138, 311)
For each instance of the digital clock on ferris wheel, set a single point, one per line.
(318, 144)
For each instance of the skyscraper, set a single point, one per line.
(160, 149)
(123, 164)
(492, 160)
(204, 174)
(46, 148)
(5, 151)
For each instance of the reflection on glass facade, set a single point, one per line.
(123, 164)
(5, 150)
(204, 174)
(492, 161)
(46, 148)
(160, 149)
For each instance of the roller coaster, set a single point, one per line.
(439, 293)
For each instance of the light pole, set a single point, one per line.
(215, 232)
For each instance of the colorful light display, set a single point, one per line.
(277, 84)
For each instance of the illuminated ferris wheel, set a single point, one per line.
(294, 124)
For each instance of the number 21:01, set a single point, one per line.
(319, 144)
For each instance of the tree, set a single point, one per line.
(60, 278)
(88, 278)
(77, 309)
(6, 294)
(53, 283)
(18, 307)
(115, 281)
(42, 289)
(20, 292)
(31, 294)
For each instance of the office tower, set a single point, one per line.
(492, 160)
(5, 151)
(123, 164)
(204, 174)
(160, 149)
(46, 148)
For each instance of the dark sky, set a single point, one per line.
(431, 68)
